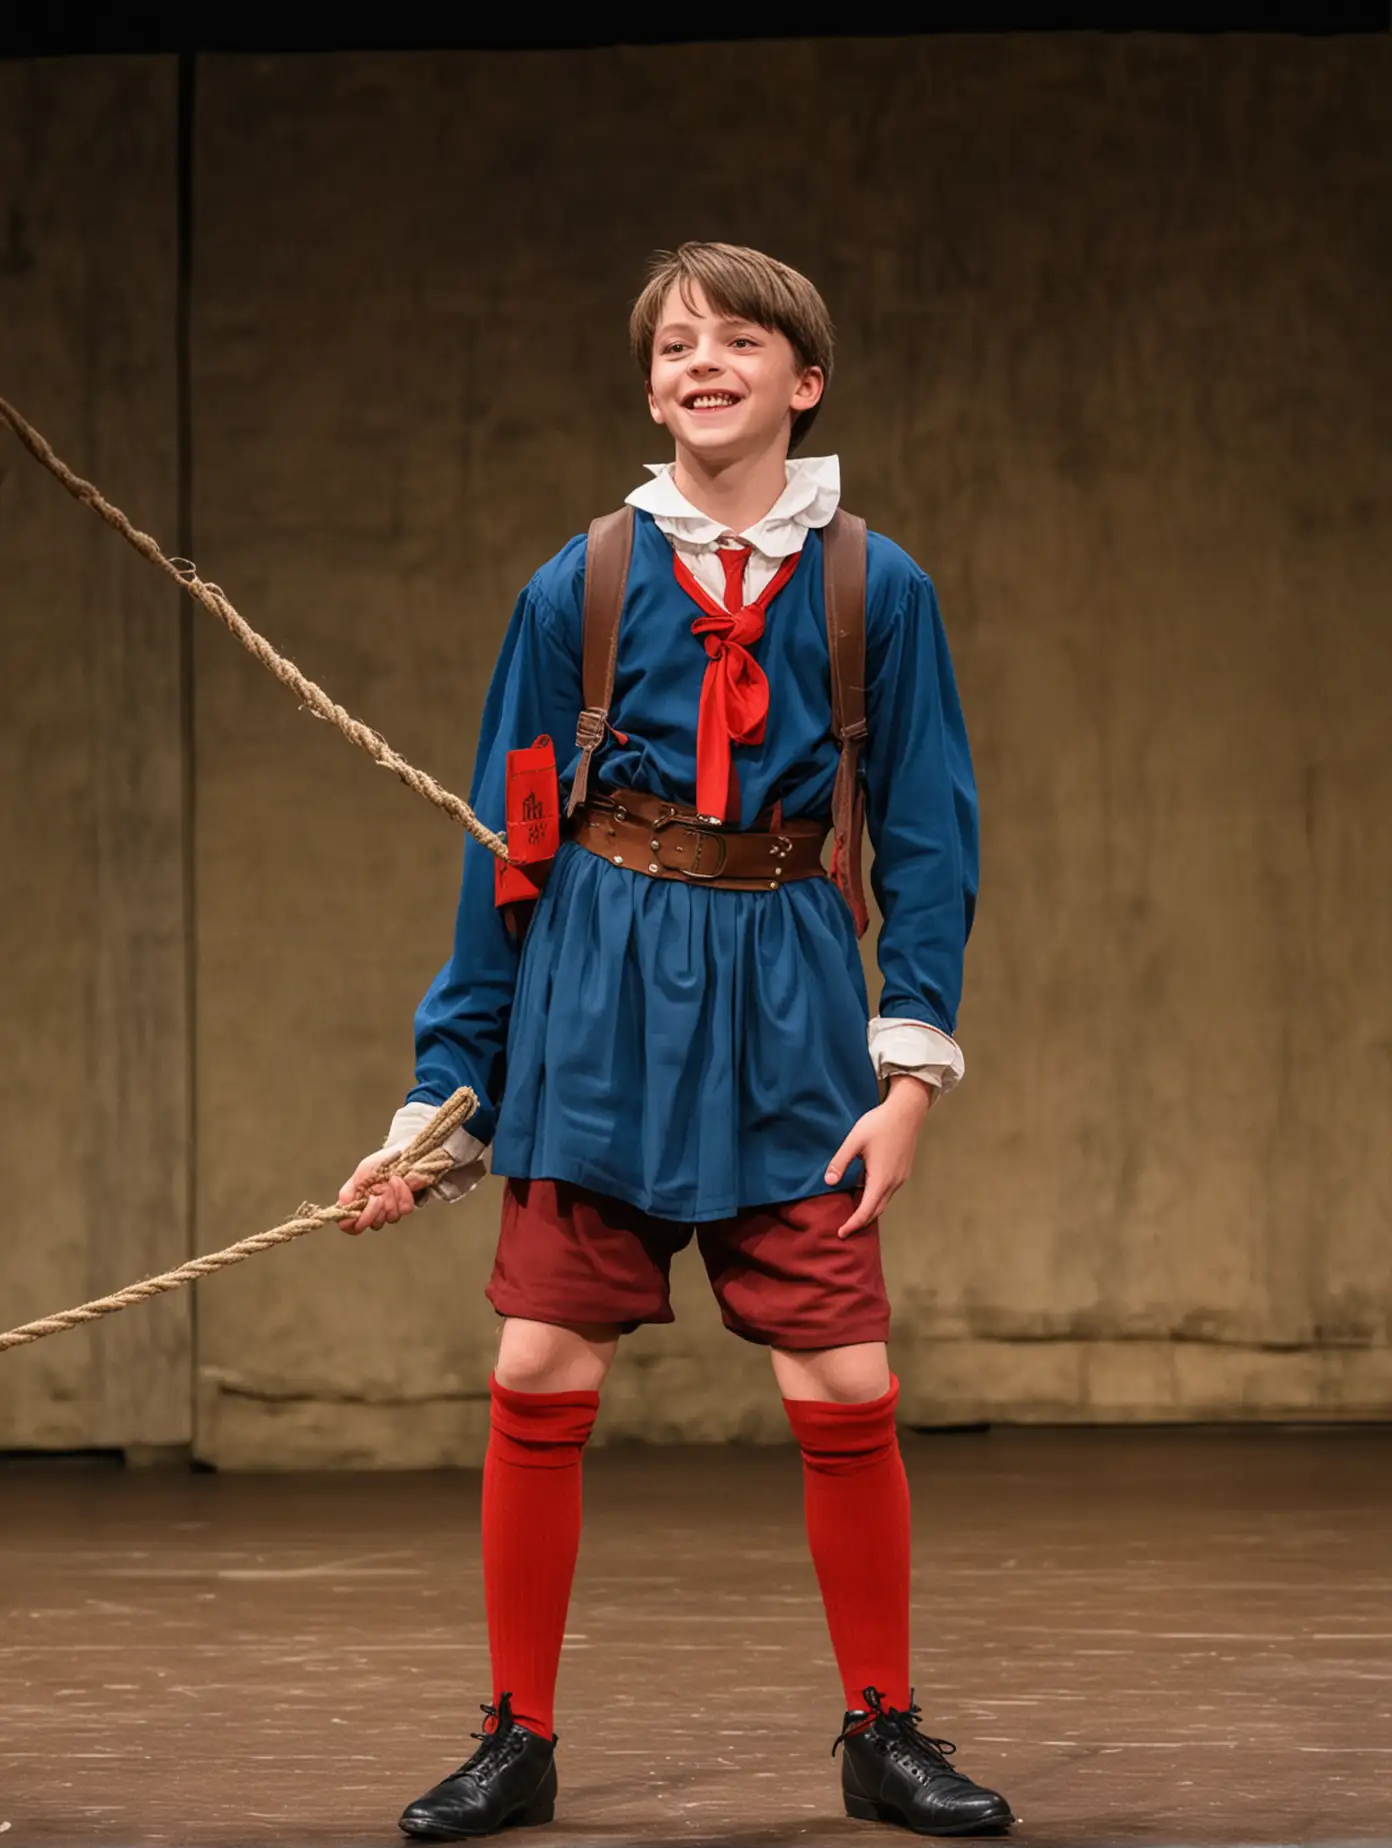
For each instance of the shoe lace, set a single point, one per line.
(897, 1734)
(499, 1743)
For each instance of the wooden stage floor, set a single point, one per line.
(1153, 1637)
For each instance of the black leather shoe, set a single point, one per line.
(511, 1779)
(891, 1772)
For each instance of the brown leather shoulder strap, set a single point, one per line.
(843, 587)
(843, 590)
(607, 554)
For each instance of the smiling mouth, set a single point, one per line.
(709, 401)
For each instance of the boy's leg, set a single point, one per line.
(531, 1535)
(574, 1269)
(545, 1393)
(840, 1403)
(784, 1279)
(858, 1527)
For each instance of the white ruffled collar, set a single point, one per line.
(810, 498)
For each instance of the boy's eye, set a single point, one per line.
(673, 346)
(742, 340)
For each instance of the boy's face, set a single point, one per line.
(724, 388)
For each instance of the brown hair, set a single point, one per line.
(742, 283)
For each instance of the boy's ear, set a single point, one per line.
(809, 388)
(653, 411)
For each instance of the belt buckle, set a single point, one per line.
(702, 836)
(666, 821)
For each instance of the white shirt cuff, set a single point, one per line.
(469, 1153)
(913, 1047)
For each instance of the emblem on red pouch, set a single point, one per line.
(533, 808)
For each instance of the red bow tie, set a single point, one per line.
(734, 693)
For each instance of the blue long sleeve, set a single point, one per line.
(920, 795)
(462, 1023)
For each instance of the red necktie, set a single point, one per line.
(734, 693)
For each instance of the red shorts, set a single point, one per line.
(780, 1274)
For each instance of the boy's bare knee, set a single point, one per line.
(851, 1375)
(546, 1357)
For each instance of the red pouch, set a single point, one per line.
(533, 807)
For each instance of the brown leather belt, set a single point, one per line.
(630, 828)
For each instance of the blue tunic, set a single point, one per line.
(695, 1051)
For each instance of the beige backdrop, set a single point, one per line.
(94, 1101)
(1113, 367)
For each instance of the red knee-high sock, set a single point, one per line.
(531, 1536)
(857, 1499)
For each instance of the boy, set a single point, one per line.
(676, 1042)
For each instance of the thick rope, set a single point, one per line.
(423, 1155)
(285, 671)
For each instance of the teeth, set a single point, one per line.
(710, 401)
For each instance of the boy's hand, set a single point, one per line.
(884, 1138)
(391, 1198)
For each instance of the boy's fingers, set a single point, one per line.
(841, 1160)
(351, 1222)
(399, 1199)
(391, 1196)
(869, 1206)
(358, 1180)
(857, 1219)
(370, 1217)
